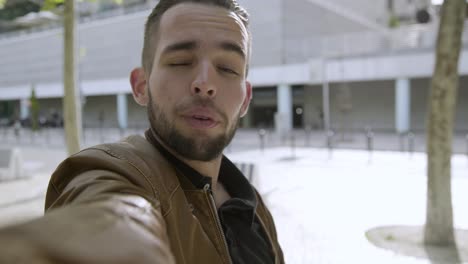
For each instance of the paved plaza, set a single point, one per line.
(323, 201)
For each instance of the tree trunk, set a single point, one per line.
(71, 102)
(439, 217)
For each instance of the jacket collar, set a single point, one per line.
(230, 176)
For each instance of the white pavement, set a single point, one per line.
(322, 203)
(22, 200)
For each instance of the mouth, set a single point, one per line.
(199, 120)
(202, 118)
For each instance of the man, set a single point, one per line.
(171, 196)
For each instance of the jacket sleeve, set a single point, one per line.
(95, 215)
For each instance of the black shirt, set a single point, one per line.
(245, 237)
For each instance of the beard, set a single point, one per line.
(192, 147)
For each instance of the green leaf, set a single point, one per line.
(2, 4)
(51, 4)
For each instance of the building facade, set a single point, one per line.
(316, 64)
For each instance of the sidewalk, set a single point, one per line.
(323, 202)
(23, 199)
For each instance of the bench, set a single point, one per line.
(11, 164)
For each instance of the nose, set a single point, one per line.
(203, 84)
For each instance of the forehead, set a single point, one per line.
(196, 20)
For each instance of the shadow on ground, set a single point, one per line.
(407, 240)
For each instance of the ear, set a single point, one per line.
(139, 89)
(248, 98)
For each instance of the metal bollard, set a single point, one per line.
(262, 134)
(370, 139)
(293, 144)
(101, 134)
(410, 143)
(308, 131)
(330, 134)
(17, 128)
(370, 142)
(401, 136)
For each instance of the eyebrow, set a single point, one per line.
(191, 45)
(180, 46)
(229, 46)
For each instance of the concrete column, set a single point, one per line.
(283, 118)
(402, 105)
(24, 108)
(325, 96)
(310, 115)
(122, 111)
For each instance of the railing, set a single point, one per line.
(410, 38)
(97, 16)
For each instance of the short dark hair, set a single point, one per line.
(152, 24)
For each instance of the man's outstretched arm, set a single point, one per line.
(98, 216)
(117, 229)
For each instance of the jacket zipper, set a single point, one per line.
(208, 192)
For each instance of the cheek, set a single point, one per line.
(165, 89)
(234, 98)
(239, 95)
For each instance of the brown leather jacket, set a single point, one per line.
(124, 204)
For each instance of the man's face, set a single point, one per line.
(197, 89)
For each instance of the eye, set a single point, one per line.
(175, 64)
(227, 70)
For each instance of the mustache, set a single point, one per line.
(201, 102)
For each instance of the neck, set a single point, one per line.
(205, 168)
